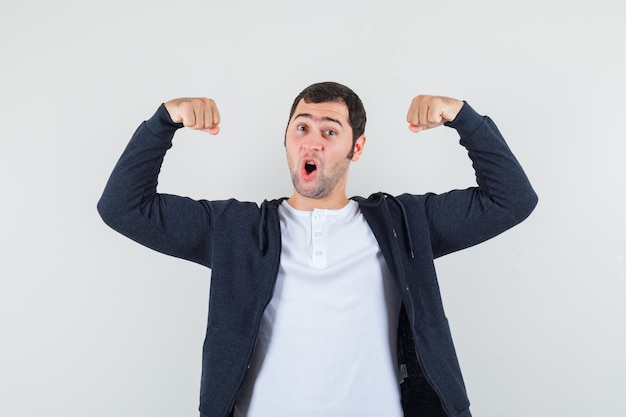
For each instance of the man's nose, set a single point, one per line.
(313, 143)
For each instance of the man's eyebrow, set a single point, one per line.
(309, 116)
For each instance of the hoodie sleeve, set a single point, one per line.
(503, 196)
(130, 204)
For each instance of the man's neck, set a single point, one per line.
(300, 202)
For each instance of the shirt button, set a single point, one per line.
(318, 234)
(318, 252)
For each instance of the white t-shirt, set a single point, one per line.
(327, 341)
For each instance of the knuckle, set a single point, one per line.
(186, 105)
(207, 102)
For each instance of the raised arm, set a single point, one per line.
(130, 204)
(503, 196)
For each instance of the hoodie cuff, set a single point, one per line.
(467, 121)
(161, 123)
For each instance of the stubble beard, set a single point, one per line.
(324, 184)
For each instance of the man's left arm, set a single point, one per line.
(503, 196)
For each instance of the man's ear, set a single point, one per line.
(358, 148)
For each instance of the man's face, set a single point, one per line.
(318, 142)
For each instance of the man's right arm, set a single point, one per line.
(130, 204)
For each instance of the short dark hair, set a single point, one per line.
(326, 92)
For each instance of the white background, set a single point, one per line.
(92, 324)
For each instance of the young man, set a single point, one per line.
(322, 305)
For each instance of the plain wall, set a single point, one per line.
(92, 324)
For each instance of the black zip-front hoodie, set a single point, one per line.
(240, 242)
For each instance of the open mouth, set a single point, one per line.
(309, 170)
(310, 167)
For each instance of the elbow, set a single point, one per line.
(104, 210)
(526, 205)
(108, 212)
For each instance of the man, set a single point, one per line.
(322, 305)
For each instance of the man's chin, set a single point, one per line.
(312, 192)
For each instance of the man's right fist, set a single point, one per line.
(196, 113)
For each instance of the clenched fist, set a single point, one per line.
(196, 113)
(427, 112)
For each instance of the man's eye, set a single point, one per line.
(301, 128)
(330, 132)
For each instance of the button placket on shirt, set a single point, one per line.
(318, 220)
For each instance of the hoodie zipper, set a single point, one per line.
(258, 322)
(406, 290)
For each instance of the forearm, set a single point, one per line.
(503, 196)
(135, 176)
(499, 175)
(131, 205)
